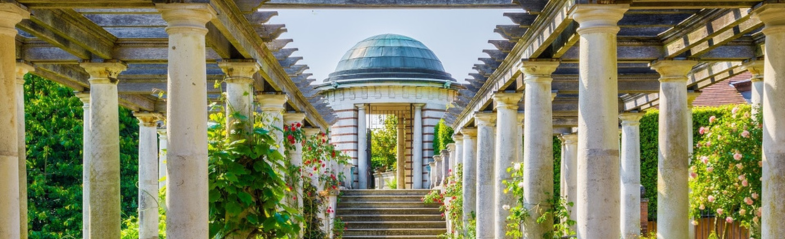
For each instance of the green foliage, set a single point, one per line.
(131, 225)
(451, 200)
(53, 121)
(312, 201)
(726, 169)
(556, 209)
(384, 144)
(442, 136)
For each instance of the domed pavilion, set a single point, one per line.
(389, 75)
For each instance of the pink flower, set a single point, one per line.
(712, 119)
(708, 143)
(745, 183)
(739, 166)
(742, 212)
(719, 211)
(748, 201)
(729, 219)
(737, 156)
(735, 109)
(702, 130)
(745, 134)
(711, 198)
(704, 159)
(710, 169)
(755, 195)
(693, 175)
(759, 212)
(742, 177)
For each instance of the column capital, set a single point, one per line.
(569, 139)
(84, 96)
(538, 70)
(185, 17)
(771, 15)
(469, 132)
(239, 72)
(148, 119)
(485, 119)
(103, 72)
(630, 118)
(450, 147)
(12, 14)
(21, 70)
(673, 70)
(507, 100)
(599, 18)
(291, 118)
(161, 132)
(437, 158)
(691, 96)
(755, 67)
(310, 131)
(270, 102)
(457, 137)
(360, 106)
(418, 105)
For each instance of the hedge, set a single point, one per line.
(442, 136)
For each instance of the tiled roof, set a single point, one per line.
(722, 93)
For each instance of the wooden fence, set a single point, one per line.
(706, 226)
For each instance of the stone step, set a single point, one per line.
(395, 224)
(392, 217)
(395, 231)
(389, 204)
(381, 198)
(353, 211)
(350, 192)
(393, 237)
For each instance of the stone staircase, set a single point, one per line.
(389, 214)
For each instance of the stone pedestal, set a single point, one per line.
(432, 173)
(446, 170)
(598, 141)
(469, 175)
(21, 70)
(773, 108)
(505, 155)
(673, 165)
(9, 155)
(439, 164)
(148, 175)
(538, 142)
(104, 163)
(630, 175)
(186, 104)
(485, 202)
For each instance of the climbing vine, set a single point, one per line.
(556, 209)
(451, 200)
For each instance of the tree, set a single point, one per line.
(384, 144)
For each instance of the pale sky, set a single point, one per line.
(456, 36)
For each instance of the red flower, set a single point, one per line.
(285, 128)
(333, 154)
(298, 124)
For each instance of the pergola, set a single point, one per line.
(581, 63)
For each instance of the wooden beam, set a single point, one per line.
(59, 4)
(77, 29)
(311, 4)
(694, 33)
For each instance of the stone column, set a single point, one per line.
(417, 147)
(9, 144)
(105, 150)
(538, 142)
(362, 148)
(401, 153)
(691, 96)
(485, 161)
(756, 68)
(569, 172)
(239, 92)
(457, 151)
(21, 70)
(186, 104)
(296, 156)
(672, 177)
(437, 159)
(630, 175)
(598, 141)
(162, 142)
(446, 171)
(148, 175)
(85, 98)
(272, 106)
(469, 175)
(432, 173)
(506, 105)
(312, 175)
(773, 108)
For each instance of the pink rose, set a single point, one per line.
(735, 109)
(693, 175)
(745, 134)
(729, 219)
(745, 183)
(708, 143)
(719, 211)
(759, 212)
(711, 198)
(737, 156)
(748, 201)
(755, 195)
(704, 159)
(710, 169)
(702, 130)
(712, 119)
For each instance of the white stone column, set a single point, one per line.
(485, 202)
(186, 104)
(417, 147)
(538, 142)
(21, 70)
(457, 151)
(401, 153)
(630, 175)
(362, 148)
(569, 172)
(9, 144)
(85, 98)
(673, 165)
(432, 173)
(506, 105)
(691, 96)
(598, 141)
(272, 106)
(756, 68)
(773, 107)
(445, 167)
(239, 92)
(162, 142)
(296, 158)
(105, 149)
(469, 175)
(439, 171)
(148, 175)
